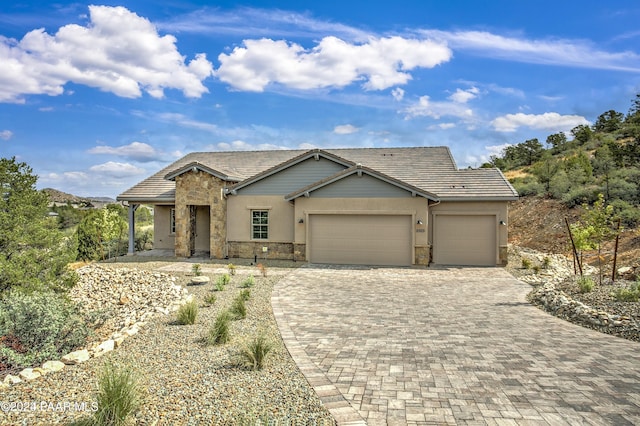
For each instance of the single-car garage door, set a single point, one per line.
(464, 240)
(360, 239)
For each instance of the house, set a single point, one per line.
(374, 206)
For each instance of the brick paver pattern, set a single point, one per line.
(413, 346)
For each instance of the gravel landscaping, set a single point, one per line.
(185, 381)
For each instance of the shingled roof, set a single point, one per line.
(431, 169)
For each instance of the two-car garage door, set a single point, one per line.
(464, 240)
(361, 239)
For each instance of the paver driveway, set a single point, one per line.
(449, 346)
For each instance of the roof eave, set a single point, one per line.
(197, 166)
(479, 198)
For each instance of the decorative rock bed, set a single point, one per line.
(126, 298)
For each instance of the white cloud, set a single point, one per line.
(442, 126)
(497, 149)
(345, 129)
(6, 134)
(117, 170)
(138, 151)
(184, 121)
(464, 96)
(306, 145)
(75, 177)
(380, 63)
(117, 51)
(397, 93)
(573, 53)
(548, 121)
(427, 108)
(240, 145)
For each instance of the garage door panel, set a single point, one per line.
(465, 240)
(361, 239)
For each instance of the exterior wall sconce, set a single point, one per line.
(419, 222)
(300, 220)
(502, 222)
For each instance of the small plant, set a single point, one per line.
(631, 294)
(196, 269)
(244, 294)
(222, 281)
(586, 284)
(187, 313)
(526, 264)
(238, 309)
(262, 268)
(210, 299)
(232, 269)
(536, 269)
(546, 262)
(248, 282)
(219, 330)
(119, 396)
(254, 354)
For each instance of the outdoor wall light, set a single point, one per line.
(502, 222)
(300, 220)
(419, 222)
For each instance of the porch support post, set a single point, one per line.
(132, 228)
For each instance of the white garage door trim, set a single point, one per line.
(361, 239)
(465, 238)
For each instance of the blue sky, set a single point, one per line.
(96, 97)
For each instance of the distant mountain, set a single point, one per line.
(62, 197)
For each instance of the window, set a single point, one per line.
(259, 224)
(172, 221)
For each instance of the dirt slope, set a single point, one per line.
(539, 224)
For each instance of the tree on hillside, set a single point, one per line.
(545, 170)
(609, 122)
(581, 134)
(557, 141)
(34, 254)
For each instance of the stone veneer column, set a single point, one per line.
(200, 189)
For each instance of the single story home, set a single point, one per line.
(372, 206)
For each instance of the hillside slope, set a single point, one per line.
(539, 224)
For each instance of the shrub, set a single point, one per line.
(526, 264)
(187, 313)
(536, 269)
(244, 294)
(586, 284)
(119, 396)
(196, 269)
(254, 354)
(232, 269)
(546, 262)
(238, 309)
(210, 299)
(631, 294)
(219, 330)
(263, 269)
(40, 326)
(248, 282)
(222, 281)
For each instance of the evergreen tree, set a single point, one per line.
(34, 254)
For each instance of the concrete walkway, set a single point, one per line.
(449, 346)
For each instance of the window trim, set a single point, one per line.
(172, 221)
(259, 228)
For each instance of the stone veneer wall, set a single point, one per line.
(200, 189)
(247, 250)
(422, 255)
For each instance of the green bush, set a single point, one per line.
(222, 281)
(581, 195)
(255, 353)
(187, 313)
(210, 299)
(219, 330)
(248, 282)
(631, 294)
(526, 263)
(119, 396)
(43, 326)
(232, 269)
(238, 309)
(586, 284)
(546, 262)
(196, 269)
(245, 294)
